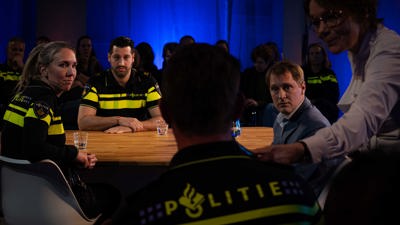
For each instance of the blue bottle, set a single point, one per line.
(236, 130)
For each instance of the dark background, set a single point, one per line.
(243, 23)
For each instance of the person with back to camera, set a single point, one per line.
(243, 189)
(121, 99)
(33, 128)
(298, 118)
(322, 85)
(371, 103)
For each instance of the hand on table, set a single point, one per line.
(118, 130)
(92, 160)
(133, 123)
(86, 160)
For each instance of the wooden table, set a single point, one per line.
(148, 148)
(131, 160)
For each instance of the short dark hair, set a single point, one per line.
(43, 39)
(222, 44)
(264, 51)
(170, 46)
(121, 42)
(200, 89)
(186, 39)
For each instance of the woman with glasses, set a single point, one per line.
(371, 103)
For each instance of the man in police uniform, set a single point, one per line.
(10, 72)
(120, 99)
(213, 179)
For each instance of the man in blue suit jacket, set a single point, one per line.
(297, 118)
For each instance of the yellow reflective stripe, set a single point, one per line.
(19, 108)
(153, 96)
(261, 213)
(329, 77)
(212, 159)
(10, 76)
(320, 80)
(122, 104)
(32, 114)
(14, 118)
(92, 95)
(56, 128)
(112, 96)
(314, 81)
(18, 119)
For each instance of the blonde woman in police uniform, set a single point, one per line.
(33, 129)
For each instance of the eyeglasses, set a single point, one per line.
(331, 19)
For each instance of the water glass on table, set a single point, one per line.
(162, 127)
(80, 139)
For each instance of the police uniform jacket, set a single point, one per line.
(103, 93)
(33, 128)
(221, 183)
(8, 80)
(323, 91)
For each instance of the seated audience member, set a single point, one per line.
(322, 85)
(42, 40)
(243, 189)
(275, 49)
(121, 99)
(88, 65)
(186, 40)
(297, 118)
(365, 191)
(33, 128)
(169, 49)
(10, 71)
(269, 112)
(253, 84)
(222, 44)
(146, 64)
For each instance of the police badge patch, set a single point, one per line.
(41, 109)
